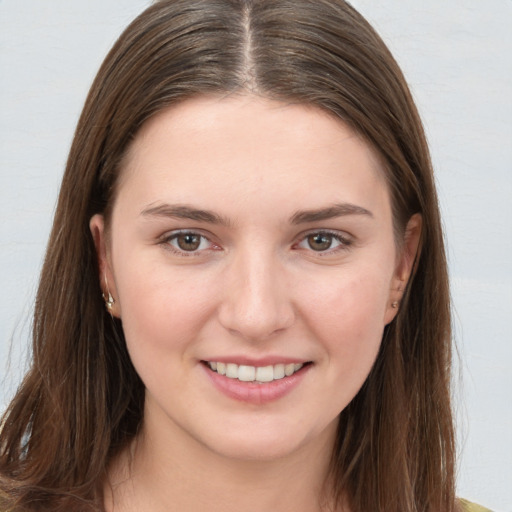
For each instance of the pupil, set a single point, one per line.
(189, 242)
(320, 242)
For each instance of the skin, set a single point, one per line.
(255, 287)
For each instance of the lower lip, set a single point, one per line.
(254, 392)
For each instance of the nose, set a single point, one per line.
(256, 300)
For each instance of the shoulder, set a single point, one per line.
(467, 506)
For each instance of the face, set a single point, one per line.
(252, 258)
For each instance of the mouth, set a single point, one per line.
(257, 374)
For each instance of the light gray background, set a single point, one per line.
(457, 56)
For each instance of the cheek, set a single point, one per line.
(347, 314)
(349, 324)
(355, 299)
(162, 311)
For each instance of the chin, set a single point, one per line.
(262, 449)
(266, 442)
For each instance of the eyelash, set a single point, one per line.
(167, 240)
(344, 242)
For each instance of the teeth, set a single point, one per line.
(232, 371)
(279, 371)
(265, 373)
(289, 369)
(246, 373)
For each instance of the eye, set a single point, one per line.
(320, 241)
(324, 241)
(188, 242)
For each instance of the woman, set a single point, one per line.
(244, 301)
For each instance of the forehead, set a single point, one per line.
(242, 147)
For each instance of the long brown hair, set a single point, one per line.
(82, 400)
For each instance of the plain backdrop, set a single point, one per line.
(457, 57)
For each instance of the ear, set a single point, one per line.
(406, 261)
(107, 283)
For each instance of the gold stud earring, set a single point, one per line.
(394, 304)
(109, 300)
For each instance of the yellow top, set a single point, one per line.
(472, 507)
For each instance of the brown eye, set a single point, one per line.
(320, 241)
(188, 241)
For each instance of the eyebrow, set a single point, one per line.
(299, 217)
(185, 212)
(331, 212)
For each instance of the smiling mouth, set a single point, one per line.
(259, 374)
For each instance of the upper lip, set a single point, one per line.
(260, 361)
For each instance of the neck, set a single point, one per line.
(165, 469)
